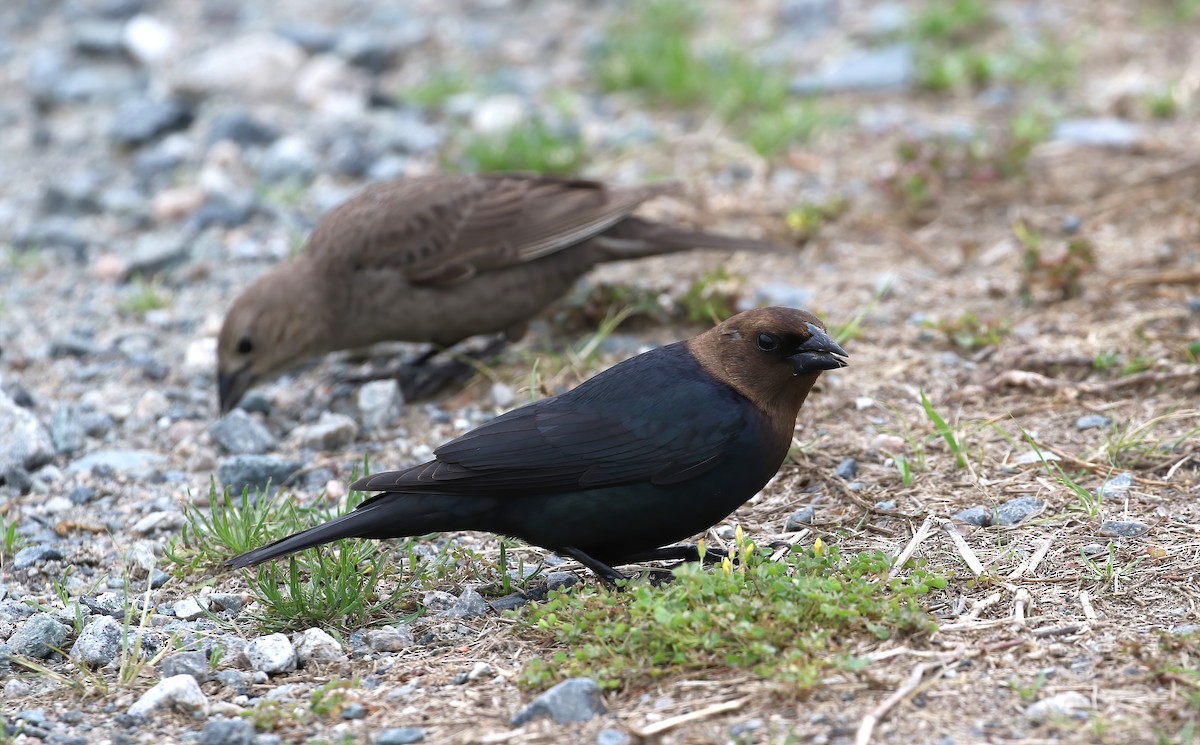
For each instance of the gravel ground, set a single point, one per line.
(156, 156)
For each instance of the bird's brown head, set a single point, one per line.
(277, 323)
(772, 356)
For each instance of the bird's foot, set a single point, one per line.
(683, 552)
(599, 568)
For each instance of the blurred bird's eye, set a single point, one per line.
(245, 346)
(768, 342)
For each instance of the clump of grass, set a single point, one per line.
(713, 297)
(434, 91)
(533, 146)
(790, 621)
(807, 220)
(144, 296)
(651, 51)
(970, 332)
(1062, 274)
(10, 540)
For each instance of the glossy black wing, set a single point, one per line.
(655, 418)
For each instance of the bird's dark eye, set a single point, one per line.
(768, 342)
(245, 346)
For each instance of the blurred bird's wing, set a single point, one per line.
(442, 230)
(667, 429)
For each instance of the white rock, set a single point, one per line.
(498, 114)
(161, 520)
(259, 65)
(149, 40)
(152, 405)
(271, 654)
(1065, 704)
(201, 356)
(332, 86)
(316, 644)
(24, 441)
(330, 432)
(503, 396)
(188, 609)
(380, 402)
(180, 692)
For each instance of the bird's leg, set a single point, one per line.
(599, 568)
(685, 552)
(419, 380)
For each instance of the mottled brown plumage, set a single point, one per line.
(653, 450)
(438, 259)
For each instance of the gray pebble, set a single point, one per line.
(239, 434)
(469, 604)
(39, 636)
(254, 472)
(154, 254)
(140, 120)
(877, 68)
(33, 555)
(181, 693)
(977, 515)
(610, 736)
(99, 642)
(288, 159)
(887, 504)
(271, 654)
(193, 663)
(241, 128)
(1071, 704)
(438, 601)
(354, 711)
(235, 679)
(1103, 131)
(317, 644)
(400, 736)
(573, 700)
(1124, 528)
(1117, 486)
(17, 479)
(798, 519)
(222, 731)
(847, 469)
(330, 432)
(310, 37)
(380, 403)
(560, 580)
(508, 602)
(1092, 421)
(139, 464)
(24, 441)
(1015, 510)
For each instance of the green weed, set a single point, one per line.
(534, 146)
(144, 296)
(790, 621)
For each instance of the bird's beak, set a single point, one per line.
(233, 385)
(818, 353)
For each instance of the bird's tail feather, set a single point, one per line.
(634, 238)
(385, 516)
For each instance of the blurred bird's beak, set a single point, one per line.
(232, 386)
(818, 353)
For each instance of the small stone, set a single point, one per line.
(887, 504)
(480, 670)
(1124, 528)
(1035, 456)
(155, 254)
(230, 602)
(1117, 486)
(139, 120)
(612, 736)
(380, 403)
(310, 37)
(316, 644)
(468, 605)
(353, 711)
(222, 731)
(438, 601)
(39, 636)
(400, 736)
(240, 433)
(890, 444)
(503, 396)
(241, 128)
(390, 638)
(878, 68)
(1100, 132)
(99, 642)
(180, 692)
(139, 464)
(188, 609)
(1092, 421)
(1015, 510)
(573, 700)
(331, 86)
(1072, 704)
(726, 532)
(271, 654)
(252, 67)
(508, 602)
(1094, 549)
(192, 663)
(847, 469)
(17, 479)
(34, 555)
(24, 441)
(560, 580)
(158, 578)
(798, 519)
(254, 472)
(149, 40)
(499, 113)
(330, 432)
(977, 515)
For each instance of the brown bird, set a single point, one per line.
(655, 449)
(438, 259)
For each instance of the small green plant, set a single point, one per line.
(1063, 274)
(228, 526)
(969, 331)
(952, 21)
(437, 89)
(10, 539)
(1192, 352)
(1090, 503)
(1028, 692)
(533, 146)
(713, 297)
(807, 220)
(791, 621)
(329, 699)
(945, 431)
(144, 296)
